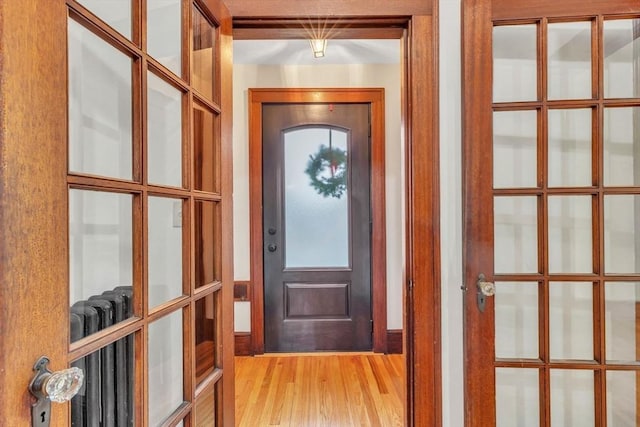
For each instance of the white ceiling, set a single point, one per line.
(299, 52)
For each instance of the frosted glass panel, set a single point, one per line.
(571, 320)
(621, 324)
(622, 398)
(515, 149)
(206, 358)
(164, 33)
(165, 367)
(572, 398)
(569, 55)
(116, 13)
(570, 148)
(516, 234)
(514, 63)
(207, 243)
(202, 54)
(517, 397)
(516, 320)
(206, 407)
(316, 212)
(621, 234)
(570, 229)
(100, 242)
(165, 250)
(100, 106)
(621, 55)
(164, 129)
(622, 146)
(206, 149)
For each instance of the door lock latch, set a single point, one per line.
(485, 289)
(47, 387)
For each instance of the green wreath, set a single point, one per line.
(327, 170)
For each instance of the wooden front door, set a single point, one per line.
(116, 210)
(317, 224)
(552, 192)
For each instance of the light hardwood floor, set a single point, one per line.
(326, 390)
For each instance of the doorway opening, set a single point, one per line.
(385, 74)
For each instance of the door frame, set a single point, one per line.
(415, 23)
(374, 97)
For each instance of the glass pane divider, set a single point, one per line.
(91, 343)
(83, 16)
(213, 378)
(168, 308)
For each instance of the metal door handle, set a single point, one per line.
(485, 289)
(47, 387)
(272, 247)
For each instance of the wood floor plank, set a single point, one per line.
(316, 390)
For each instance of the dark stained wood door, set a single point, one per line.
(316, 210)
(551, 119)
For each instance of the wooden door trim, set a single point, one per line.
(375, 97)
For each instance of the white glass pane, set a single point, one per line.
(569, 55)
(516, 320)
(570, 148)
(516, 234)
(621, 236)
(100, 242)
(116, 13)
(621, 56)
(100, 106)
(570, 229)
(165, 367)
(622, 398)
(316, 198)
(165, 250)
(515, 149)
(203, 45)
(164, 33)
(517, 397)
(621, 321)
(622, 146)
(572, 398)
(164, 129)
(571, 320)
(514, 63)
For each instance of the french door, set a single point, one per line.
(552, 200)
(135, 205)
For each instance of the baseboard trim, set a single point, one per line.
(243, 343)
(394, 341)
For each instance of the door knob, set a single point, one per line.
(485, 289)
(271, 247)
(47, 387)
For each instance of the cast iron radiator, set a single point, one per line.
(106, 398)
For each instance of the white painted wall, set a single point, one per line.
(247, 76)
(451, 214)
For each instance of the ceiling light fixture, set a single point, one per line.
(318, 46)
